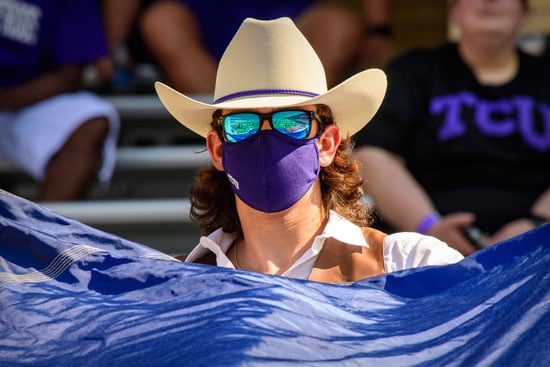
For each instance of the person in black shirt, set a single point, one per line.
(463, 135)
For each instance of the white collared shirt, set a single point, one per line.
(402, 250)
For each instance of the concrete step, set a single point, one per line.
(146, 106)
(140, 172)
(115, 212)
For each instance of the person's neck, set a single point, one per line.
(274, 241)
(492, 63)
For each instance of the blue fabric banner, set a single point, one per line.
(71, 295)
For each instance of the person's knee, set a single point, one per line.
(341, 24)
(335, 33)
(163, 16)
(91, 134)
(151, 17)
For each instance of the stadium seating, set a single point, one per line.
(147, 199)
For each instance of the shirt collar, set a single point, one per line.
(337, 227)
(343, 230)
(218, 242)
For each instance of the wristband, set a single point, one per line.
(536, 220)
(383, 30)
(428, 222)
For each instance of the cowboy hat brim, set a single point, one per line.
(353, 103)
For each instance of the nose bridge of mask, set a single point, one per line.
(273, 161)
(263, 170)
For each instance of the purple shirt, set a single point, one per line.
(39, 35)
(220, 19)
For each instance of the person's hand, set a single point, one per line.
(450, 230)
(511, 229)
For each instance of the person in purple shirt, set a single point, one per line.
(58, 134)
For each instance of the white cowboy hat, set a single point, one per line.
(270, 64)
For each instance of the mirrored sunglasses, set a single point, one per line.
(243, 125)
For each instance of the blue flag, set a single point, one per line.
(71, 295)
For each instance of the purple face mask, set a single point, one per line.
(270, 172)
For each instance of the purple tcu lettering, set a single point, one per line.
(495, 118)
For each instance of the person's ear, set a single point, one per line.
(214, 146)
(328, 144)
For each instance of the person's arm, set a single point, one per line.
(401, 200)
(61, 80)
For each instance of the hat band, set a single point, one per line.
(255, 92)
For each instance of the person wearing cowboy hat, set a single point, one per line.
(282, 195)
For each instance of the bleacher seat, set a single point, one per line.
(147, 199)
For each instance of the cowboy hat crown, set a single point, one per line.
(270, 64)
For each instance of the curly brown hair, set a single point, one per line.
(213, 202)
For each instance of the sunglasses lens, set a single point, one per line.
(295, 124)
(240, 126)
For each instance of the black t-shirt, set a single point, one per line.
(472, 147)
